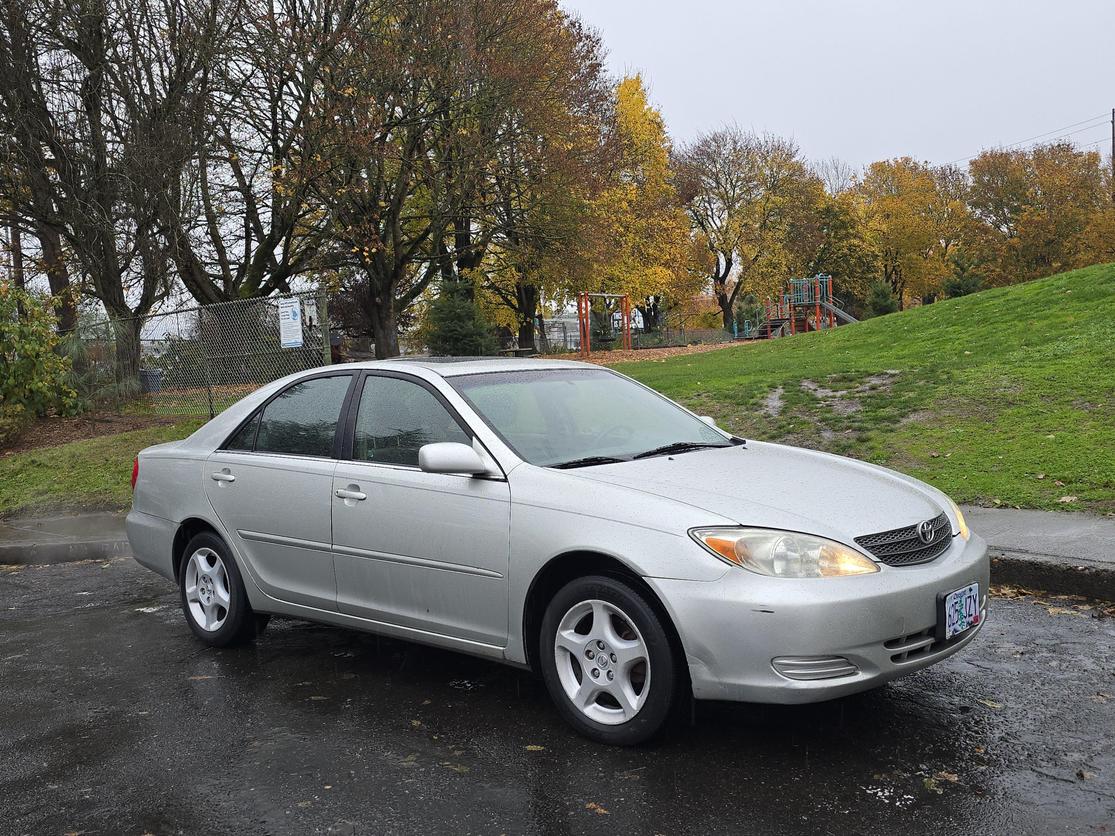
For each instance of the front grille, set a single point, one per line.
(903, 547)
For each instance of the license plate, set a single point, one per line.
(958, 611)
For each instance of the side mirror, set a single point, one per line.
(708, 419)
(451, 457)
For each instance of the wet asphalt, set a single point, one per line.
(113, 719)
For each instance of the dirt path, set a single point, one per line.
(51, 432)
(608, 358)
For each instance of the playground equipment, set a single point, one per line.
(803, 305)
(584, 318)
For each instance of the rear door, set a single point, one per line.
(422, 550)
(270, 486)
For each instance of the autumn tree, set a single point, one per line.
(100, 107)
(742, 192)
(639, 241)
(1032, 208)
(242, 222)
(831, 238)
(913, 219)
(547, 163)
(426, 97)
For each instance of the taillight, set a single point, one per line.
(135, 472)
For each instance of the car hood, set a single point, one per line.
(774, 486)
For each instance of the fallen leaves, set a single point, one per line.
(534, 747)
(596, 808)
(1076, 605)
(991, 704)
(1067, 499)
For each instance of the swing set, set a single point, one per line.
(584, 318)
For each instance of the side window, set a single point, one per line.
(303, 419)
(396, 417)
(245, 437)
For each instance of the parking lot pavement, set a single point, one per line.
(114, 720)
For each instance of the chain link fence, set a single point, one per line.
(199, 360)
(562, 335)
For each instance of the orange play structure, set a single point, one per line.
(584, 318)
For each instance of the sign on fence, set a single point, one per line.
(290, 323)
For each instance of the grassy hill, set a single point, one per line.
(1006, 396)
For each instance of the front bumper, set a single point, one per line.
(883, 624)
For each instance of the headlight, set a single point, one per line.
(783, 554)
(961, 523)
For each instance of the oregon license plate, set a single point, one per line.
(958, 611)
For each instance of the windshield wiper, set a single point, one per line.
(680, 447)
(587, 461)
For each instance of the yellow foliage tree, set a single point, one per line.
(912, 223)
(640, 243)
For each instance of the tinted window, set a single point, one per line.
(396, 417)
(245, 437)
(303, 419)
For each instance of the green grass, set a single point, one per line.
(94, 473)
(994, 398)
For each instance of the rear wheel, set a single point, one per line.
(607, 661)
(213, 595)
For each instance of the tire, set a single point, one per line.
(212, 593)
(602, 624)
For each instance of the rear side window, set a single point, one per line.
(396, 418)
(303, 420)
(245, 437)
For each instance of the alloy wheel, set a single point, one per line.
(602, 662)
(207, 589)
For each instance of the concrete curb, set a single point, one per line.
(1051, 573)
(43, 554)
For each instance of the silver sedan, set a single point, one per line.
(561, 517)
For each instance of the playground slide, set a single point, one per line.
(842, 315)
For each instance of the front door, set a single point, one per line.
(270, 485)
(427, 551)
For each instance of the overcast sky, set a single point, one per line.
(864, 80)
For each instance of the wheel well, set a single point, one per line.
(567, 567)
(189, 529)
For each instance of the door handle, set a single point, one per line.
(222, 476)
(344, 493)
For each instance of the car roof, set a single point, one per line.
(455, 366)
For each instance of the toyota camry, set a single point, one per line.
(560, 517)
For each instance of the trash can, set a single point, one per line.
(150, 381)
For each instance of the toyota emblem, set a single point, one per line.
(925, 531)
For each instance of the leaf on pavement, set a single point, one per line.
(596, 808)
(991, 704)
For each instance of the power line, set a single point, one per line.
(1054, 134)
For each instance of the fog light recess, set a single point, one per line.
(810, 668)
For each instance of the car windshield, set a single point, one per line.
(580, 417)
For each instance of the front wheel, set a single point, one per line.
(608, 662)
(213, 595)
